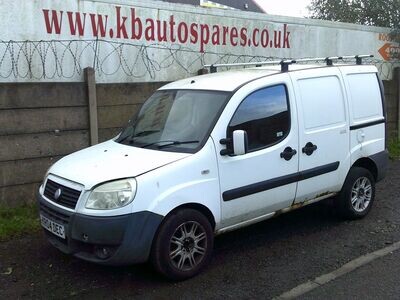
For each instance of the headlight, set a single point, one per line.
(112, 195)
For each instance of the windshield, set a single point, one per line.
(174, 120)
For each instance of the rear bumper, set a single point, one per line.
(128, 238)
(381, 160)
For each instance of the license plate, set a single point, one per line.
(53, 227)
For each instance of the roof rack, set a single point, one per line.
(286, 62)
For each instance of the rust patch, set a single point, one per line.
(323, 194)
(301, 204)
(297, 205)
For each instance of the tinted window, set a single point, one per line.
(264, 115)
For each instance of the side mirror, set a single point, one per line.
(237, 145)
(239, 138)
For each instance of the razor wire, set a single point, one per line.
(66, 59)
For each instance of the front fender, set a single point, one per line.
(192, 180)
(188, 193)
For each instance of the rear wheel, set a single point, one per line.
(357, 195)
(183, 245)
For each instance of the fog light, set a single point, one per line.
(102, 252)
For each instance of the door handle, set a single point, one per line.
(309, 148)
(288, 153)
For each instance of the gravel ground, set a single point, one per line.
(263, 260)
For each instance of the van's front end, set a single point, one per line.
(105, 203)
(87, 203)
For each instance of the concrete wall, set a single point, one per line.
(29, 115)
(41, 122)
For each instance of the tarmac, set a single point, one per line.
(371, 276)
(311, 251)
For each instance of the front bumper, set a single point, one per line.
(128, 238)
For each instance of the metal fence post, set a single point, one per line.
(90, 79)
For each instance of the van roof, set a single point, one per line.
(232, 79)
(220, 81)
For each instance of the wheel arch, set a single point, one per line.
(191, 205)
(369, 164)
(199, 207)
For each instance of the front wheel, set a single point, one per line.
(357, 195)
(183, 245)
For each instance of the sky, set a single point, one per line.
(293, 8)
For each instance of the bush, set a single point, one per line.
(394, 148)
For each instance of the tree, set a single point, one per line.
(384, 13)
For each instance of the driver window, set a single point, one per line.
(264, 115)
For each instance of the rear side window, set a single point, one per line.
(264, 115)
(365, 95)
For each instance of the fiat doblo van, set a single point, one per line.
(214, 153)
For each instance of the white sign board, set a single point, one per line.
(136, 41)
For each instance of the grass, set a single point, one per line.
(394, 148)
(17, 221)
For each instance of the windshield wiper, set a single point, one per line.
(130, 138)
(120, 140)
(170, 143)
(145, 132)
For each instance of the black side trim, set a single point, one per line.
(306, 174)
(372, 123)
(278, 181)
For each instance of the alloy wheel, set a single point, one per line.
(361, 194)
(188, 246)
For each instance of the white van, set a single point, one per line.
(214, 153)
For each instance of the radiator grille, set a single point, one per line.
(68, 197)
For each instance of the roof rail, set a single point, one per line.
(286, 62)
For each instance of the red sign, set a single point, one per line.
(390, 51)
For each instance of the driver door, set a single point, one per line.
(264, 179)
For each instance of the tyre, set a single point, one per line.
(357, 194)
(183, 244)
